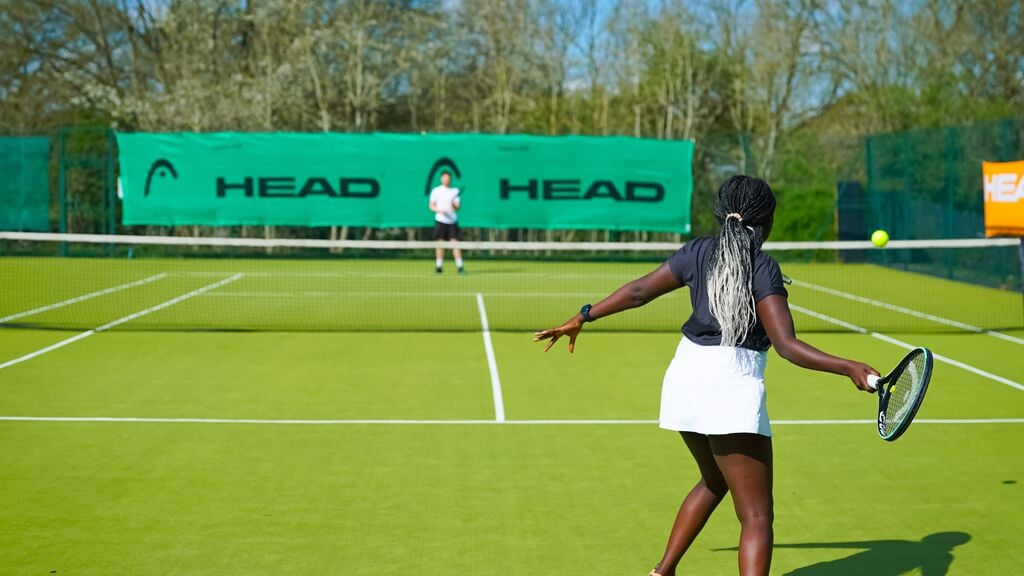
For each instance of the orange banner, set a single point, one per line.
(1004, 198)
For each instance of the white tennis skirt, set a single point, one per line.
(715, 390)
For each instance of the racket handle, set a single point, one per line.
(873, 381)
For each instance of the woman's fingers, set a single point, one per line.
(538, 336)
(555, 333)
(552, 343)
(860, 377)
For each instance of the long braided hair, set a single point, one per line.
(744, 207)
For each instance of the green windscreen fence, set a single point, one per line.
(927, 184)
(24, 183)
(384, 180)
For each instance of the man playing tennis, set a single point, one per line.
(713, 393)
(445, 204)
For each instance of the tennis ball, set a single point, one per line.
(880, 238)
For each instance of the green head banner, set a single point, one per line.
(384, 180)
(25, 183)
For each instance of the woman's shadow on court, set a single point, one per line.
(933, 556)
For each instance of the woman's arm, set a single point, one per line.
(631, 295)
(778, 324)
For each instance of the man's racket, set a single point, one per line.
(900, 392)
(456, 201)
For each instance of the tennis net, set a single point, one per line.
(90, 282)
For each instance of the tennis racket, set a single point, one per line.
(901, 391)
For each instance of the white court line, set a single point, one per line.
(908, 311)
(492, 364)
(119, 321)
(907, 346)
(947, 421)
(49, 348)
(170, 302)
(77, 299)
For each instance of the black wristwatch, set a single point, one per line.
(585, 312)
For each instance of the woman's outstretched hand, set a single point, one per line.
(571, 329)
(859, 372)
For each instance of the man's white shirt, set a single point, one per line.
(443, 198)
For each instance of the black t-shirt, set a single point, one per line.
(690, 266)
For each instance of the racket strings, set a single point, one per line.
(903, 392)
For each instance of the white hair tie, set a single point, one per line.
(734, 215)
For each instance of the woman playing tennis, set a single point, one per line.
(713, 393)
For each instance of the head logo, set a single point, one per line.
(159, 168)
(442, 165)
(1007, 188)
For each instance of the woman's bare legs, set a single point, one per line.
(698, 505)
(746, 463)
(738, 462)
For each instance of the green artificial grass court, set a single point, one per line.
(464, 494)
(246, 499)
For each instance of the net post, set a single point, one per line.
(1020, 254)
(745, 142)
(111, 184)
(62, 188)
(62, 224)
(950, 186)
(1021, 257)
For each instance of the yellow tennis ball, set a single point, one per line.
(880, 238)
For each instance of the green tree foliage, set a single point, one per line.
(777, 88)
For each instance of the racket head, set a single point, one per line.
(901, 392)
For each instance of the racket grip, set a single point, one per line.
(873, 381)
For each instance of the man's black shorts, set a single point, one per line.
(444, 231)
